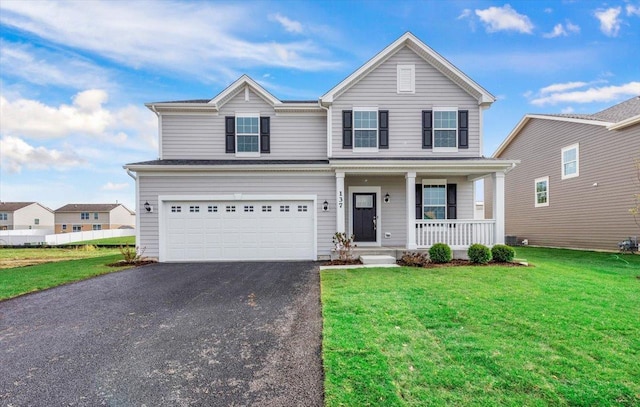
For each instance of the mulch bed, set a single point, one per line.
(337, 262)
(136, 263)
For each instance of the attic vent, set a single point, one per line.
(406, 78)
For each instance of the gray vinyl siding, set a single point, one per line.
(432, 89)
(579, 215)
(323, 185)
(393, 218)
(202, 135)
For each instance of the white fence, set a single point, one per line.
(459, 234)
(26, 232)
(63, 238)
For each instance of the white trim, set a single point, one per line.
(366, 189)
(160, 135)
(412, 78)
(329, 131)
(238, 86)
(353, 126)
(441, 181)
(562, 163)
(625, 123)
(251, 115)
(535, 192)
(410, 210)
(162, 199)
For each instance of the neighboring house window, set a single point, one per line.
(97, 227)
(570, 161)
(77, 228)
(434, 200)
(3, 216)
(542, 191)
(36, 221)
(406, 78)
(84, 215)
(248, 135)
(95, 215)
(445, 129)
(365, 129)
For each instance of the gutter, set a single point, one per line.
(131, 174)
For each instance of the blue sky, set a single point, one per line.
(74, 76)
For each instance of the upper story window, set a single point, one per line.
(95, 215)
(3, 216)
(365, 129)
(570, 161)
(36, 221)
(247, 135)
(84, 215)
(542, 191)
(406, 78)
(445, 129)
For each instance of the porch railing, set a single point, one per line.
(457, 233)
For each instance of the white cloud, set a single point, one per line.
(85, 116)
(17, 154)
(561, 87)
(633, 10)
(567, 110)
(560, 31)
(45, 68)
(110, 186)
(291, 26)
(609, 21)
(201, 40)
(593, 94)
(466, 13)
(505, 18)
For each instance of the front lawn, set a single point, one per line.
(111, 241)
(22, 280)
(563, 332)
(19, 257)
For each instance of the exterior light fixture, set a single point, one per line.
(387, 198)
(325, 206)
(147, 207)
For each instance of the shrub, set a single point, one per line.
(479, 254)
(503, 253)
(440, 253)
(413, 259)
(131, 254)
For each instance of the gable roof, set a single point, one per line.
(240, 84)
(89, 208)
(13, 206)
(424, 51)
(615, 117)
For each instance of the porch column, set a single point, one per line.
(498, 206)
(340, 200)
(411, 210)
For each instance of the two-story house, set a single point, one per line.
(577, 180)
(390, 154)
(25, 215)
(86, 217)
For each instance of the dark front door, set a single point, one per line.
(364, 217)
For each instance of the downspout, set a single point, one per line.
(329, 123)
(131, 174)
(153, 109)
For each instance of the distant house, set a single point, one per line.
(577, 179)
(84, 217)
(25, 215)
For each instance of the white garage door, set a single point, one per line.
(238, 230)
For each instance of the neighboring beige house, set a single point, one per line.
(84, 217)
(25, 215)
(390, 155)
(577, 178)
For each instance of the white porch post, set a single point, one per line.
(411, 210)
(340, 202)
(498, 206)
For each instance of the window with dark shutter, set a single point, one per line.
(383, 129)
(265, 134)
(427, 129)
(452, 200)
(347, 129)
(463, 129)
(419, 214)
(230, 134)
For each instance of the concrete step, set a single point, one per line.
(377, 259)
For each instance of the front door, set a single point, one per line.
(364, 217)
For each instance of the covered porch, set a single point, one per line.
(399, 205)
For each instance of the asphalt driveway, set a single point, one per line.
(214, 334)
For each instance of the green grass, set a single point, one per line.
(10, 258)
(111, 241)
(22, 280)
(565, 332)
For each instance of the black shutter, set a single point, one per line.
(463, 129)
(452, 201)
(347, 129)
(427, 129)
(383, 129)
(419, 214)
(230, 134)
(265, 134)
